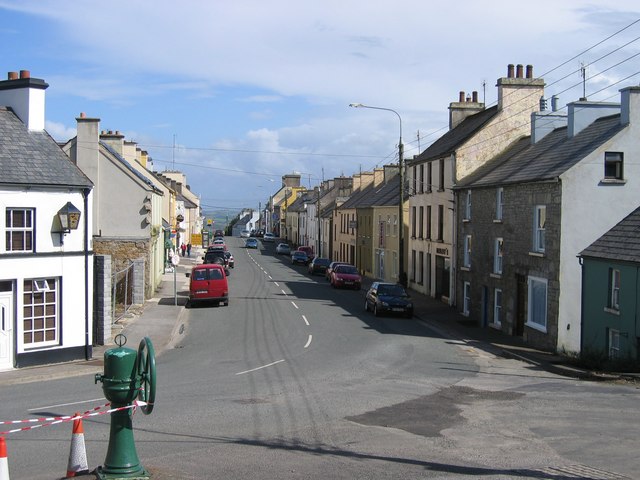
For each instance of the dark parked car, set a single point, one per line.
(388, 298)
(319, 265)
(251, 243)
(299, 257)
(216, 256)
(346, 276)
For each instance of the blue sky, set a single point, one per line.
(252, 89)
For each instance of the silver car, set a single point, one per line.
(283, 249)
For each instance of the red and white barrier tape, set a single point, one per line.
(50, 419)
(69, 418)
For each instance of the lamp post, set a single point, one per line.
(402, 277)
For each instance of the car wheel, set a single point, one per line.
(366, 305)
(376, 312)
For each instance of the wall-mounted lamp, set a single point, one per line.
(69, 218)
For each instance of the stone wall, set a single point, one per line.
(102, 311)
(516, 230)
(123, 252)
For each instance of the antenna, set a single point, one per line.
(418, 141)
(484, 91)
(583, 74)
(173, 161)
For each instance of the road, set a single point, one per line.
(294, 380)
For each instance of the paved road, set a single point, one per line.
(294, 380)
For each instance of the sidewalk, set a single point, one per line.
(160, 319)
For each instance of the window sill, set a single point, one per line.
(537, 327)
(497, 220)
(495, 275)
(537, 254)
(466, 220)
(465, 269)
(612, 311)
(496, 326)
(612, 181)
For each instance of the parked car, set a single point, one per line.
(216, 256)
(308, 250)
(299, 257)
(251, 243)
(269, 237)
(230, 260)
(319, 265)
(218, 233)
(208, 282)
(219, 243)
(245, 234)
(346, 276)
(388, 298)
(283, 249)
(330, 268)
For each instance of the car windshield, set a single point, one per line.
(392, 290)
(349, 269)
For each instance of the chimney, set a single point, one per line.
(519, 93)
(26, 97)
(390, 171)
(630, 98)
(378, 176)
(85, 154)
(554, 103)
(583, 113)
(463, 108)
(545, 122)
(115, 140)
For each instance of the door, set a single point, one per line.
(521, 290)
(6, 330)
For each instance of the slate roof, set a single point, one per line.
(621, 243)
(544, 160)
(454, 138)
(34, 158)
(385, 194)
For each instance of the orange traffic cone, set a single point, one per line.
(78, 454)
(4, 466)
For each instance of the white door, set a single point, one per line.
(6, 331)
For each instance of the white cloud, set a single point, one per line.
(60, 132)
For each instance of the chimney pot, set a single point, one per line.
(468, 98)
(12, 75)
(475, 96)
(529, 71)
(461, 97)
(519, 71)
(25, 74)
(83, 115)
(510, 70)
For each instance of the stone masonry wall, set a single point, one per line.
(123, 252)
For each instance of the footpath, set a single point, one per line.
(160, 318)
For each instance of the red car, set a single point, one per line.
(308, 250)
(208, 281)
(346, 276)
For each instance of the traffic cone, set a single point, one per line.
(78, 454)
(4, 466)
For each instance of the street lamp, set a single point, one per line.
(402, 277)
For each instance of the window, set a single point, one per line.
(614, 289)
(497, 306)
(614, 343)
(539, 221)
(413, 265)
(441, 185)
(537, 308)
(429, 176)
(440, 221)
(388, 225)
(613, 163)
(19, 230)
(467, 206)
(466, 305)
(420, 267)
(40, 312)
(429, 222)
(415, 180)
(421, 187)
(467, 251)
(413, 222)
(499, 203)
(421, 223)
(497, 256)
(395, 225)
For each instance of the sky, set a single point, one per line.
(237, 94)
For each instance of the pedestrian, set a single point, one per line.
(183, 247)
(189, 249)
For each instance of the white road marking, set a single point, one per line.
(305, 320)
(283, 292)
(259, 368)
(294, 304)
(66, 404)
(276, 284)
(308, 341)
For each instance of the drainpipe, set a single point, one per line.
(582, 275)
(87, 347)
(454, 238)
